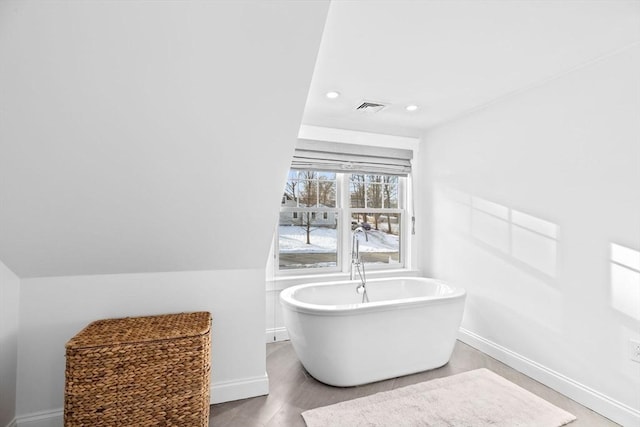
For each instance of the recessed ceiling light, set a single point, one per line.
(333, 94)
(411, 107)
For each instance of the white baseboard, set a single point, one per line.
(52, 418)
(276, 334)
(592, 399)
(223, 391)
(226, 391)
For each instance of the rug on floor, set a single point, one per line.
(470, 399)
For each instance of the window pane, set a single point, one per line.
(374, 191)
(390, 196)
(357, 191)
(291, 190)
(382, 243)
(390, 191)
(308, 240)
(308, 193)
(327, 190)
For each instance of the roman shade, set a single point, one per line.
(351, 158)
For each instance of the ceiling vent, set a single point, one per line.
(370, 107)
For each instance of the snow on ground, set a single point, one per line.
(293, 239)
(378, 241)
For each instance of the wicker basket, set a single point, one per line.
(140, 371)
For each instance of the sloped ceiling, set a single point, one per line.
(148, 136)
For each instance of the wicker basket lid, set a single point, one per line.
(141, 329)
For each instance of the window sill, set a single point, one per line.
(282, 282)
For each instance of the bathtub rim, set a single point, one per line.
(289, 302)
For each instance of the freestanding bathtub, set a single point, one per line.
(409, 325)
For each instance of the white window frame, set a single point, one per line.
(344, 233)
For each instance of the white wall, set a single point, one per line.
(9, 298)
(52, 310)
(143, 137)
(547, 290)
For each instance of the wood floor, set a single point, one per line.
(292, 390)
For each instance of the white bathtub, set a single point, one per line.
(409, 325)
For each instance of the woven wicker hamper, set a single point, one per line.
(140, 371)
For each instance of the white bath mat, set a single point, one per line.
(471, 399)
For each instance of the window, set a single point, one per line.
(320, 209)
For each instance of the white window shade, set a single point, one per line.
(351, 158)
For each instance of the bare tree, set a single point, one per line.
(358, 193)
(326, 191)
(374, 193)
(388, 186)
(308, 197)
(290, 190)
